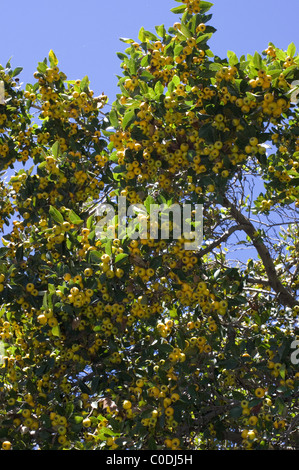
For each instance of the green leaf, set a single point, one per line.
(280, 54)
(42, 67)
(232, 58)
(159, 88)
(178, 10)
(186, 32)
(121, 55)
(45, 300)
(56, 331)
(176, 80)
(119, 168)
(148, 202)
(280, 406)
(127, 40)
(3, 251)
(274, 72)
(236, 412)
(74, 218)
(204, 37)
(141, 35)
(55, 149)
(84, 83)
(205, 6)
(44, 435)
(257, 61)
(128, 118)
(145, 36)
(108, 247)
(77, 419)
(113, 118)
(69, 409)
(19, 253)
(132, 66)
(121, 257)
(53, 59)
(282, 372)
(56, 215)
(231, 364)
(94, 384)
(152, 443)
(161, 31)
(83, 387)
(89, 222)
(177, 50)
(94, 257)
(291, 51)
(17, 71)
(104, 432)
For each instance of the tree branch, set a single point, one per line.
(284, 295)
(262, 282)
(220, 240)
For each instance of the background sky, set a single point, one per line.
(85, 35)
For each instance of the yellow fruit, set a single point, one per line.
(127, 405)
(26, 413)
(66, 226)
(6, 445)
(29, 287)
(168, 443)
(253, 420)
(169, 411)
(175, 397)
(88, 272)
(62, 439)
(61, 430)
(251, 435)
(86, 422)
(110, 441)
(253, 141)
(259, 392)
(175, 443)
(42, 319)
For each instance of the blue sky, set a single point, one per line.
(85, 35)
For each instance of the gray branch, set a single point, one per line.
(284, 295)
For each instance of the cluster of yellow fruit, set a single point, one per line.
(5, 205)
(166, 151)
(270, 51)
(259, 420)
(193, 6)
(162, 160)
(53, 105)
(14, 141)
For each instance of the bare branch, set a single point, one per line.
(284, 295)
(220, 240)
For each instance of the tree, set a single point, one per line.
(142, 343)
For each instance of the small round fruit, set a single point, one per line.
(86, 422)
(259, 392)
(6, 445)
(127, 405)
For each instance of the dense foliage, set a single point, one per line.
(143, 343)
